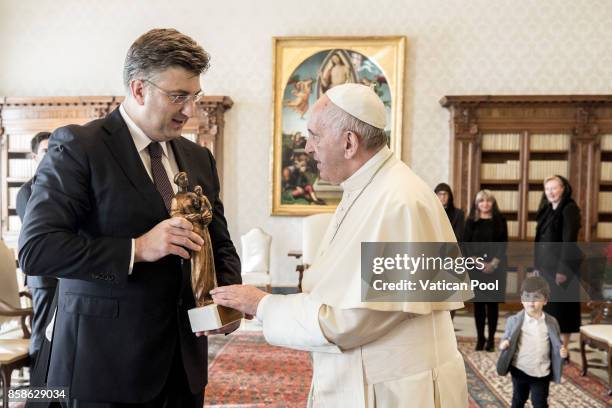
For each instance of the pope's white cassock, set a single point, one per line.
(375, 354)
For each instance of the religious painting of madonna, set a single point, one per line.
(304, 69)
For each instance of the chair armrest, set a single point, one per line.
(25, 293)
(25, 313)
(10, 311)
(297, 254)
(600, 311)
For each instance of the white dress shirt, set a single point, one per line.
(533, 350)
(142, 142)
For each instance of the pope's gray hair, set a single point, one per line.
(337, 119)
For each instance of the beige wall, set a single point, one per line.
(69, 47)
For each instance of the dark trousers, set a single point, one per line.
(482, 312)
(523, 384)
(175, 394)
(41, 314)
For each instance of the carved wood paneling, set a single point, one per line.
(22, 117)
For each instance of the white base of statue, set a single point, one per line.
(212, 317)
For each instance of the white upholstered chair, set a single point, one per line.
(256, 258)
(313, 229)
(13, 352)
(599, 336)
(9, 289)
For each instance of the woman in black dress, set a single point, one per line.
(455, 215)
(485, 235)
(557, 256)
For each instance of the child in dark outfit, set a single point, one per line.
(531, 346)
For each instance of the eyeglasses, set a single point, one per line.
(178, 99)
(528, 297)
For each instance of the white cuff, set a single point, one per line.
(132, 256)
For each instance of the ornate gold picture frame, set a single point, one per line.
(304, 68)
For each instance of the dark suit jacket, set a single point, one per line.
(512, 333)
(115, 333)
(33, 282)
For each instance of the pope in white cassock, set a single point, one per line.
(364, 354)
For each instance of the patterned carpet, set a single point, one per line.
(488, 389)
(244, 372)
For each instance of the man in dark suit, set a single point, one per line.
(98, 219)
(41, 287)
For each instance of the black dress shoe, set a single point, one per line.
(480, 344)
(490, 345)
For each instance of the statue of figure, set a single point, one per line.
(195, 208)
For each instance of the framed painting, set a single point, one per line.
(304, 69)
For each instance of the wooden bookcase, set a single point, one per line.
(22, 118)
(603, 229)
(509, 144)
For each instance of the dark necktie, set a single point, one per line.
(160, 177)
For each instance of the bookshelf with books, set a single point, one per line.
(509, 144)
(604, 202)
(22, 117)
(500, 173)
(517, 162)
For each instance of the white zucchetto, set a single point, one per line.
(361, 102)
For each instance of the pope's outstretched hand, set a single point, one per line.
(244, 298)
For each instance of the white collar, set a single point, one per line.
(529, 319)
(361, 177)
(141, 140)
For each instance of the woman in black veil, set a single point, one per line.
(557, 256)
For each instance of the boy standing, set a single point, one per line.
(531, 347)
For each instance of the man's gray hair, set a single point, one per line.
(337, 119)
(160, 49)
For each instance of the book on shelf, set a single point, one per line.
(605, 201)
(549, 142)
(14, 223)
(21, 168)
(533, 200)
(507, 200)
(606, 143)
(506, 142)
(531, 229)
(540, 169)
(512, 285)
(19, 143)
(606, 171)
(604, 230)
(12, 196)
(513, 228)
(509, 170)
